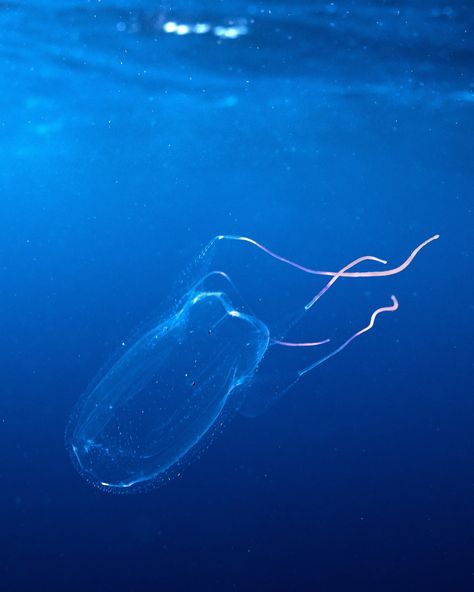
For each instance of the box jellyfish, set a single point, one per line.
(174, 387)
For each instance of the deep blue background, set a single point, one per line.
(327, 131)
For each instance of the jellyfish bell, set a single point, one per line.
(166, 393)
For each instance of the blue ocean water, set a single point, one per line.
(131, 133)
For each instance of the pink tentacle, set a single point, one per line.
(341, 274)
(352, 274)
(303, 344)
(391, 308)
